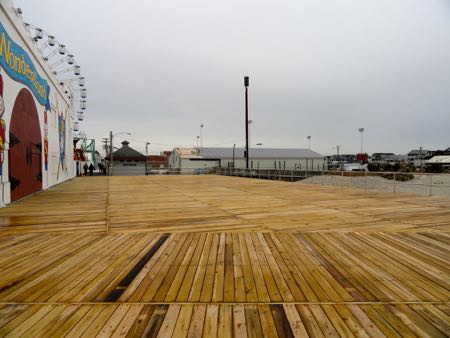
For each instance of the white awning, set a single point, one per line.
(440, 159)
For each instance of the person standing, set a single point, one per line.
(91, 169)
(85, 168)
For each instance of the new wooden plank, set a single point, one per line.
(241, 253)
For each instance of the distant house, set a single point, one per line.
(259, 158)
(443, 160)
(418, 157)
(337, 161)
(158, 161)
(382, 158)
(127, 161)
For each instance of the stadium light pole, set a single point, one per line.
(361, 130)
(146, 157)
(246, 83)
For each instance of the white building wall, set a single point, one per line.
(129, 168)
(189, 164)
(279, 163)
(60, 103)
(262, 163)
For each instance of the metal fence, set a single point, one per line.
(142, 171)
(415, 183)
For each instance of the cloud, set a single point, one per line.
(319, 67)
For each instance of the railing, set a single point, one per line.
(416, 183)
(141, 171)
(268, 174)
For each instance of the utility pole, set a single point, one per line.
(361, 130)
(146, 157)
(234, 147)
(110, 153)
(246, 83)
(105, 140)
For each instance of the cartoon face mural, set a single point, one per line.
(45, 141)
(62, 139)
(2, 127)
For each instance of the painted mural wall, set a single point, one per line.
(36, 115)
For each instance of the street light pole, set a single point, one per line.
(309, 142)
(110, 152)
(234, 147)
(361, 130)
(146, 157)
(246, 83)
(111, 148)
(249, 142)
(201, 136)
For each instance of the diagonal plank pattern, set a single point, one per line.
(222, 256)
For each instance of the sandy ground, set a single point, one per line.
(419, 185)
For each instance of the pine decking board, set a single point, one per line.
(243, 257)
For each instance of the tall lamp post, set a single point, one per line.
(146, 157)
(234, 148)
(201, 136)
(361, 130)
(246, 83)
(111, 148)
(249, 123)
(309, 142)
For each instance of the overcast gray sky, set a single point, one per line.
(317, 67)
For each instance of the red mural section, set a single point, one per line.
(25, 147)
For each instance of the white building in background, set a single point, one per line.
(259, 158)
(443, 160)
(128, 162)
(36, 115)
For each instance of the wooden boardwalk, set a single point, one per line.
(213, 256)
